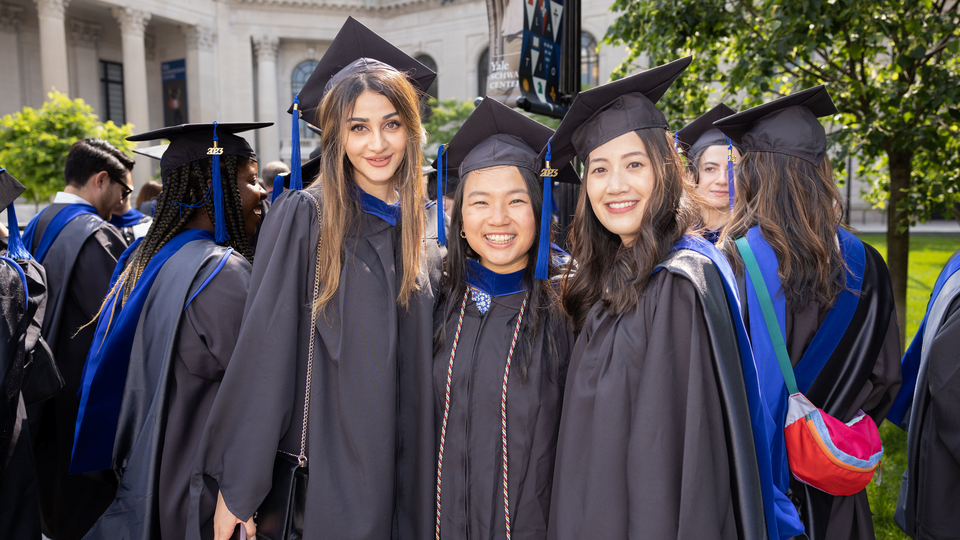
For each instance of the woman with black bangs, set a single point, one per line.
(166, 331)
(661, 434)
(503, 344)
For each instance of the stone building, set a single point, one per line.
(235, 60)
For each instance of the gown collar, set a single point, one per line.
(375, 207)
(481, 278)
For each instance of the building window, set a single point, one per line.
(431, 64)
(589, 62)
(111, 88)
(483, 70)
(299, 78)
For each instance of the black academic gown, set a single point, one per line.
(929, 505)
(862, 373)
(370, 440)
(178, 358)
(20, 322)
(472, 489)
(655, 436)
(79, 265)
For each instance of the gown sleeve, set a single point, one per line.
(255, 403)
(943, 380)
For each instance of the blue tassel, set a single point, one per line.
(676, 142)
(546, 217)
(216, 182)
(730, 187)
(15, 247)
(296, 175)
(277, 188)
(441, 191)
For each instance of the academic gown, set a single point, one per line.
(171, 383)
(472, 488)
(655, 437)
(20, 320)
(78, 264)
(862, 373)
(370, 440)
(929, 504)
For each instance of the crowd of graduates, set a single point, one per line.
(709, 360)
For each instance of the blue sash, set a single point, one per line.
(131, 218)
(910, 364)
(105, 371)
(825, 341)
(64, 216)
(122, 261)
(781, 516)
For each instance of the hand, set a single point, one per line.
(224, 522)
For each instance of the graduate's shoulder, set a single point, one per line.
(106, 236)
(687, 269)
(296, 201)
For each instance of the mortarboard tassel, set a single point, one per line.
(676, 142)
(296, 175)
(730, 160)
(15, 247)
(277, 187)
(546, 218)
(441, 191)
(220, 234)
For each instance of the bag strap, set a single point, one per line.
(302, 458)
(766, 306)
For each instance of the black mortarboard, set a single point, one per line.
(10, 189)
(154, 152)
(787, 125)
(496, 135)
(701, 133)
(193, 142)
(606, 112)
(355, 49)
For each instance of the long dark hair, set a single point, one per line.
(798, 209)
(340, 211)
(543, 314)
(615, 274)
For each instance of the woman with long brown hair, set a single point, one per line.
(661, 434)
(339, 374)
(831, 292)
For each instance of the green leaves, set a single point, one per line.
(891, 67)
(34, 142)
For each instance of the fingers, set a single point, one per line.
(251, 528)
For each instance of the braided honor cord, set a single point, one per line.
(503, 409)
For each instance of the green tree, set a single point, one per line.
(891, 66)
(34, 142)
(445, 119)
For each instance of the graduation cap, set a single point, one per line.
(355, 49)
(310, 170)
(193, 142)
(787, 125)
(496, 135)
(154, 152)
(606, 112)
(701, 134)
(10, 189)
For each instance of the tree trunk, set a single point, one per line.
(898, 243)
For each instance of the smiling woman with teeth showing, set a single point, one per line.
(503, 344)
(656, 439)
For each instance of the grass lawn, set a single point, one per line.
(928, 255)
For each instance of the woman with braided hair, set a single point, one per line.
(166, 332)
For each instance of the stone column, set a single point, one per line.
(86, 64)
(133, 24)
(53, 45)
(267, 103)
(10, 99)
(201, 73)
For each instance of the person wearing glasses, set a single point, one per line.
(79, 249)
